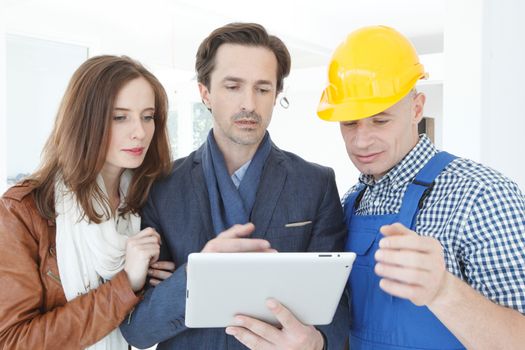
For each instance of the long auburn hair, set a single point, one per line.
(76, 149)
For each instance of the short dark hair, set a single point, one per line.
(249, 34)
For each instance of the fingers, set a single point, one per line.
(151, 251)
(154, 282)
(270, 250)
(137, 241)
(396, 229)
(146, 236)
(404, 258)
(256, 334)
(160, 271)
(407, 239)
(146, 243)
(404, 275)
(164, 265)
(224, 245)
(248, 338)
(246, 245)
(235, 239)
(159, 274)
(155, 257)
(283, 315)
(237, 231)
(141, 250)
(259, 328)
(411, 266)
(147, 249)
(147, 232)
(402, 290)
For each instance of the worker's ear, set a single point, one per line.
(418, 102)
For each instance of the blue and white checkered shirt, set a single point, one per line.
(476, 213)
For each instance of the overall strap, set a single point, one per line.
(420, 188)
(351, 201)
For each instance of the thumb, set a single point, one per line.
(396, 229)
(238, 231)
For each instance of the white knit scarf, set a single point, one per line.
(89, 254)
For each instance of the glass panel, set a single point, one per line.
(38, 72)
(202, 123)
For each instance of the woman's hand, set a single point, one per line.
(141, 250)
(159, 271)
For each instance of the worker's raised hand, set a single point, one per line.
(411, 266)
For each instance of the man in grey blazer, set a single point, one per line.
(239, 192)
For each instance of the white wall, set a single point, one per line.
(38, 72)
(109, 28)
(484, 72)
(462, 78)
(503, 95)
(299, 130)
(433, 89)
(481, 78)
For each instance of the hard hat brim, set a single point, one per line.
(355, 109)
(360, 108)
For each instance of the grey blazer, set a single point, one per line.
(291, 190)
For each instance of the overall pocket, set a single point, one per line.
(371, 308)
(359, 282)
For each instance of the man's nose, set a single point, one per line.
(248, 101)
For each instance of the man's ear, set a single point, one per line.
(418, 103)
(205, 95)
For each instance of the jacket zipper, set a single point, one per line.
(53, 276)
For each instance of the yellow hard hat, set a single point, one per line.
(374, 68)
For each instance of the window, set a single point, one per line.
(38, 72)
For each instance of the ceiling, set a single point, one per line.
(167, 32)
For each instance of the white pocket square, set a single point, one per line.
(298, 224)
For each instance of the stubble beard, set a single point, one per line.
(247, 137)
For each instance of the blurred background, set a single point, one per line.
(472, 49)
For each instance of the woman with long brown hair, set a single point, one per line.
(73, 260)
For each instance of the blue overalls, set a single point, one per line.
(380, 321)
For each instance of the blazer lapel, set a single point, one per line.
(201, 193)
(270, 188)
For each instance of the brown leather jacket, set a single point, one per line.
(34, 313)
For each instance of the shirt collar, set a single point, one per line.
(238, 175)
(407, 169)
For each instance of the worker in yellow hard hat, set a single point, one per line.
(440, 240)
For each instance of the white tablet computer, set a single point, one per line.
(222, 285)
